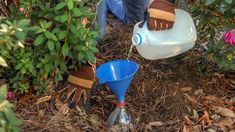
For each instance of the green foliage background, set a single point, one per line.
(214, 18)
(45, 42)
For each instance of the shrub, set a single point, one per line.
(214, 18)
(8, 120)
(57, 42)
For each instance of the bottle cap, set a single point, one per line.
(136, 39)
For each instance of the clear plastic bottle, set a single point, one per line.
(119, 117)
(154, 45)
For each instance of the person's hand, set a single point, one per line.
(160, 15)
(76, 91)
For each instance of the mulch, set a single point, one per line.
(183, 93)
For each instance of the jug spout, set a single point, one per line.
(137, 39)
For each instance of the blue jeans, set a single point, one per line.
(120, 10)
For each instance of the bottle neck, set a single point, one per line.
(121, 103)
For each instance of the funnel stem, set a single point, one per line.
(121, 98)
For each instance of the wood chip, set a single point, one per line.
(43, 99)
(41, 113)
(110, 97)
(186, 89)
(227, 122)
(31, 122)
(69, 127)
(199, 92)
(195, 115)
(187, 121)
(214, 100)
(232, 100)
(191, 99)
(205, 119)
(224, 112)
(94, 119)
(62, 108)
(154, 124)
(196, 128)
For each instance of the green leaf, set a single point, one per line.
(23, 71)
(49, 15)
(65, 49)
(39, 65)
(57, 61)
(10, 115)
(223, 6)
(9, 22)
(76, 12)
(3, 62)
(15, 129)
(73, 28)
(19, 66)
(233, 10)
(94, 50)
(208, 2)
(61, 35)
(3, 92)
(229, 1)
(50, 44)
(20, 35)
(34, 28)
(56, 30)
(47, 34)
(23, 23)
(42, 23)
(2, 129)
(47, 25)
(30, 68)
(91, 57)
(83, 48)
(59, 6)
(47, 68)
(37, 30)
(70, 4)
(221, 62)
(39, 39)
(50, 35)
(80, 56)
(19, 43)
(63, 66)
(62, 18)
(41, 5)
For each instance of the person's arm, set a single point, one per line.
(135, 9)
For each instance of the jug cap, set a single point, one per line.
(136, 39)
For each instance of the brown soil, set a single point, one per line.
(162, 91)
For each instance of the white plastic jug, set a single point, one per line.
(154, 45)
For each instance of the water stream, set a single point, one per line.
(130, 52)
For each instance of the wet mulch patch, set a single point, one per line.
(182, 93)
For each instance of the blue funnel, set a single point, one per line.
(117, 75)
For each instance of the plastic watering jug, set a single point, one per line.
(161, 44)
